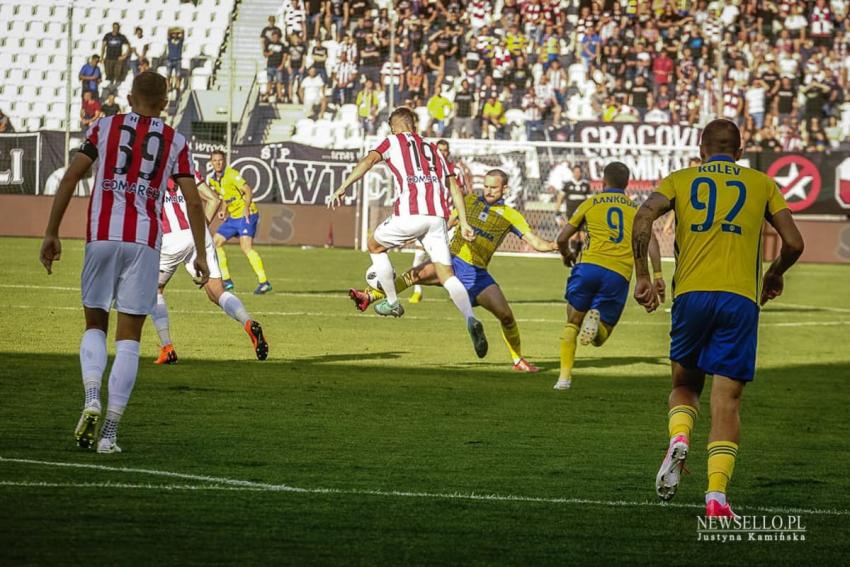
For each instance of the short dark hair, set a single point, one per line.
(443, 142)
(218, 152)
(721, 136)
(150, 87)
(500, 174)
(616, 174)
(405, 114)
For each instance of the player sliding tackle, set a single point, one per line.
(598, 286)
(136, 154)
(179, 248)
(492, 221)
(423, 181)
(720, 209)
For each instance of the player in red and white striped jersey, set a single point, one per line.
(178, 249)
(136, 153)
(422, 187)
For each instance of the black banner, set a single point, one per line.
(19, 164)
(812, 183)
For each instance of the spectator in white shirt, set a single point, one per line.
(313, 94)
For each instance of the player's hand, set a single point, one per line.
(552, 246)
(247, 219)
(335, 200)
(202, 272)
(660, 289)
(772, 286)
(568, 258)
(467, 231)
(51, 250)
(645, 294)
(220, 215)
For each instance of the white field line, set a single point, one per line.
(221, 483)
(420, 318)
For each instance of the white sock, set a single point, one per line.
(122, 378)
(160, 320)
(231, 305)
(419, 257)
(93, 362)
(720, 497)
(460, 297)
(384, 272)
(417, 289)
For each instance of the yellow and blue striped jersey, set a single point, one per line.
(607, 219)
(491, 224)
(720, 209)
(229, 188)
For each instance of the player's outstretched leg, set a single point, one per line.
(419, 257)
(723, 443)
(460, 297)
(493, 300)
(568, 343)
(247, 245)
(167, 354)
(389, 307)
(235, 309)
(222, 262)
(93, 365)
(683, 410)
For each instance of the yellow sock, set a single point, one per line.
(721, 463)
(257, 263)
(680, 420)
(403, 282)
(568, 350)
(602, 335)
(511, 335)
(222, 263)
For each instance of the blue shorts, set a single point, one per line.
(473, 278)
(594, 287)
(231, 228)
(716, 332)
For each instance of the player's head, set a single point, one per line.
(443, 148)
(149, 93)
(495, 185)
(615, 175)
(720, 136)
(403, 119)
(218, 160)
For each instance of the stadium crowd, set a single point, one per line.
(478, 66)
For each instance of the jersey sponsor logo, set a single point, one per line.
(422, 179)
(121, 185)
(483, 233)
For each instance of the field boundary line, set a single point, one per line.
(223, 483)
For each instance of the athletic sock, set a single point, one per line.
(459, 296)
(384, 272)
(110, 424)
(160, 320)
(257, 264)
(231, 305)
(568, 350)
(122, 378)
(222, 263)
(721, 463)
(511, 335)
(93, 362)
(680, 420)
(404, 281)
(419, 257)
(602, 335)
(417, 289)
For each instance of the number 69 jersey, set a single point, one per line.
(720, 209)
(421, 175)
(136, 157)
(607, 219)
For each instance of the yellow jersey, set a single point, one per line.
(229, 188)
(720, 208)
(607, 220)
(491, 224)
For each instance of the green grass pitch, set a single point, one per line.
(371, 441)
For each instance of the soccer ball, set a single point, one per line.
(372, 279)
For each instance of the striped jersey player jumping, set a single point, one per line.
(179, 248)
(137, 153)
(420, 212)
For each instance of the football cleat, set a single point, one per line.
(416, 297)
(563, 384)
(714, 509)
(667, 479)
(387, 309)
(167, 355)
(108, 445)
(86, 431)
(228, 285)
(522, 365)
(264, 287)
(479, 340)
(361, 299)
(255, 331)
(589, 327)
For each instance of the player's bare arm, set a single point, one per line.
(559, 202)
(657, 273)
(51, 247)
(655, 206)
(197, 223)
(792, 248)
(563, 244)
(540, 244)
(362, 168)
(210, 199)
(460, 205)
(248, 197)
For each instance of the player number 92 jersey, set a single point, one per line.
(607, 218)
(720, 210)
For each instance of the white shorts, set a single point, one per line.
(120, 273)
(428, 230)
(179, 248)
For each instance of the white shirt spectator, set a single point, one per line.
(137, 46)
(313, 88)
(657, 116)
(788, 66)
(755, 97)
(729, 15)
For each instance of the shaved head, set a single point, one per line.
(150, 88)
(616, 175)
(721, 136)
